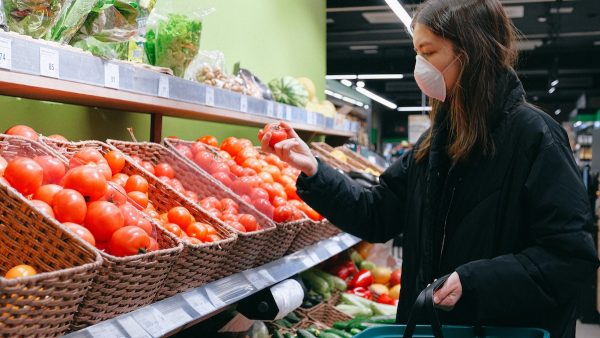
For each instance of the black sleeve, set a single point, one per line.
(373, 214)
(547, 274)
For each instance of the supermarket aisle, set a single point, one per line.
(587, 330)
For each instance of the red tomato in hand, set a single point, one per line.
(46, 193)
(87, 180)
(136, 183)
(209, 139)
(102, 219)
(164, 169)
(129, 241)
(180, 216)
(278, 133)
(248, 221)
(24, 131)
(43, 207)
(54, 169)
(69, 206)
(24, 174)
(82, 232)
(116, 161)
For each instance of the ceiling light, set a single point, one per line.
(514, 12)
(371, 51)
(330, 20)
(360, 84)
(401, 13)
(561, 10)
(597, 43)
(363, 47)
(346, 83)
(358, 103)
(542, 19)
(551, 90)
(380, 76)
(554, 83)
(377, 98)
(529, 44)
(340, 77)
(577, 124)
(556, 112)
(414, 108)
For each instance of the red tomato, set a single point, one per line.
(128, 241)
(54, 169)
(153, 245)
(249, 172)
(197, 230)
(24, 131)
(120, 179)
(286, 180)
(209, 139)
(43, 207)
(211, 203)
(310, 212)
(266, 177)
(248, 221)
(58, 137)
(212, 238)
(174, 229)
(225, 155)
(245, 143)
(223, 178)
(115, 160)
(231, 145)
(130, 214)
(253, 164)
(214, 213)
(290, 191)
(164, 169)
(264, 206)
(46, 193)
(279, 201)
(115, 194)
(237, 226)
(273, 171)
(185, 151)
(282, 214)
(140, 198)
(245, 154)
(69, 206)
(148, 166)
(191, 195)
(86, 156)
(175, 184)
(247, 199)
(3, 164)
(227, 203)
(196, 148)
(102, 219)
(81, 232)
(204, 159)
(210, 230)
(259, 193)
(237, 170)
(136, 183)
(180, 216)
(145, 225)
(229, 217)
(216, 167)
(24, 174)
(278, 133)
(87, 180)
(274, 190)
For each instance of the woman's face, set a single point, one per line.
(439, 52)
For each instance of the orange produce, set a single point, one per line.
(21, 270)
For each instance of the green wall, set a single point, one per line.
(272, 38)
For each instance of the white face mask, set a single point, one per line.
(430, 80)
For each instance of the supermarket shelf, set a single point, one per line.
(176, 313)
(44, 71)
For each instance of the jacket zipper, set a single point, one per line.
(444, 228)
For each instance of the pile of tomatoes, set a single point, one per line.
(263, 181)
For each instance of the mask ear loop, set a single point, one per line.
(451, 63)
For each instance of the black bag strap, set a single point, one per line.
(423, 303)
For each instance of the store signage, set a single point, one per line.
(49, 62)
(111, 75)
(5, 53)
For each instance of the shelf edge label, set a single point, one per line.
(5, 53)
(111, 75)
(49, 62)
(244, 104)
(163, 86)
(210, 96)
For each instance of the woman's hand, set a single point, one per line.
(448, 295)
(292, 150)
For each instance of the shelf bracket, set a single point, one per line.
(156, 121)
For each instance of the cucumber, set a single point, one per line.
(340, 333)
(353, 331)
(292, 318)
(329, 335)
(276, 334)
(317, 283)
(304, 334)
(314, 331)
(341, 325)
(386, 319)
(289, 335)
(284, 323)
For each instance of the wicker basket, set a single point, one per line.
(358, 158)
(123, 284)
(42, 305)
(327, 315)
(276, 242)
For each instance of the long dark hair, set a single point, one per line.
(484, 40)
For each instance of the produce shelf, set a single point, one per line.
(171, 315)
(42, 70)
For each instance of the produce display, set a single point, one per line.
(32, 17)
(70, 20)
(289, 90)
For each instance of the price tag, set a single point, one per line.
(105, 330)
(111, 75)
(133, 329)
(163, 86)
(280, 112)
(259, 278)
(49, 62)
(288, 113)
(312, 117)
(270, 109)
(210, 96)
(151, 320)
(244, 104)
(199, 303)
(332, 247)
(5, 53)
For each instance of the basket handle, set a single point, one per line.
(425, 302)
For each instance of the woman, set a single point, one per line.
(490, 194)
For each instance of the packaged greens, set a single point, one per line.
(71, 20)
(32, 17)
(3, 24)
(108, 50)
(135, 52)
(173, 40)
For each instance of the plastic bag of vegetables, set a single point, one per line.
(290, 91)
(3, 24)
(107, 50)
(173, 39)
(135, 49)
(70, 20)
(33, 17)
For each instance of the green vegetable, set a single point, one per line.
(290, 91)
(383, 309)
(325, 276)
(316, 283)
(355, 331)
(389, 319)
(276, 334)
(334, 282)
(292, 318)
(314, 297)
(341, 325)
(340, 333)
(33, 18)
(329, 335)
(356, 257)
(367, 265)
(284, 323)
(314, 331)
(304, 334)
(71, 20)
(289, 335)
(347, 298)
(108, 50)
(339, 283)
(353, 310)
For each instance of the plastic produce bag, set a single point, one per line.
(33, 17)
(111, 21)
(135, 52)
(108, 50)
(3, 24)
(208, 67)
(173, 39)
(71, 19)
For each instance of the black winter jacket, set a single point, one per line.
(511, 225)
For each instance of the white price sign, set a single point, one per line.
(5, 53)
(151, 320)
(270, 109)
(259, 278)
(163, 86)
(49, 62)
(244, 104)
(311, 117)
(288, 113)
(111, 75)
(199, 303)
(210, 96)
(332, 247)
(280, 111)
(133, 329)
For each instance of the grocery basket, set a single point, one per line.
(42, 305)
(127, 283)
(424, 304)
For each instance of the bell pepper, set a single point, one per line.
(351, 267)
(361, 292)
(343, 273)
(385, 299)
(363, 278)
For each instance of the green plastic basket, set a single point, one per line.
(425, 331)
